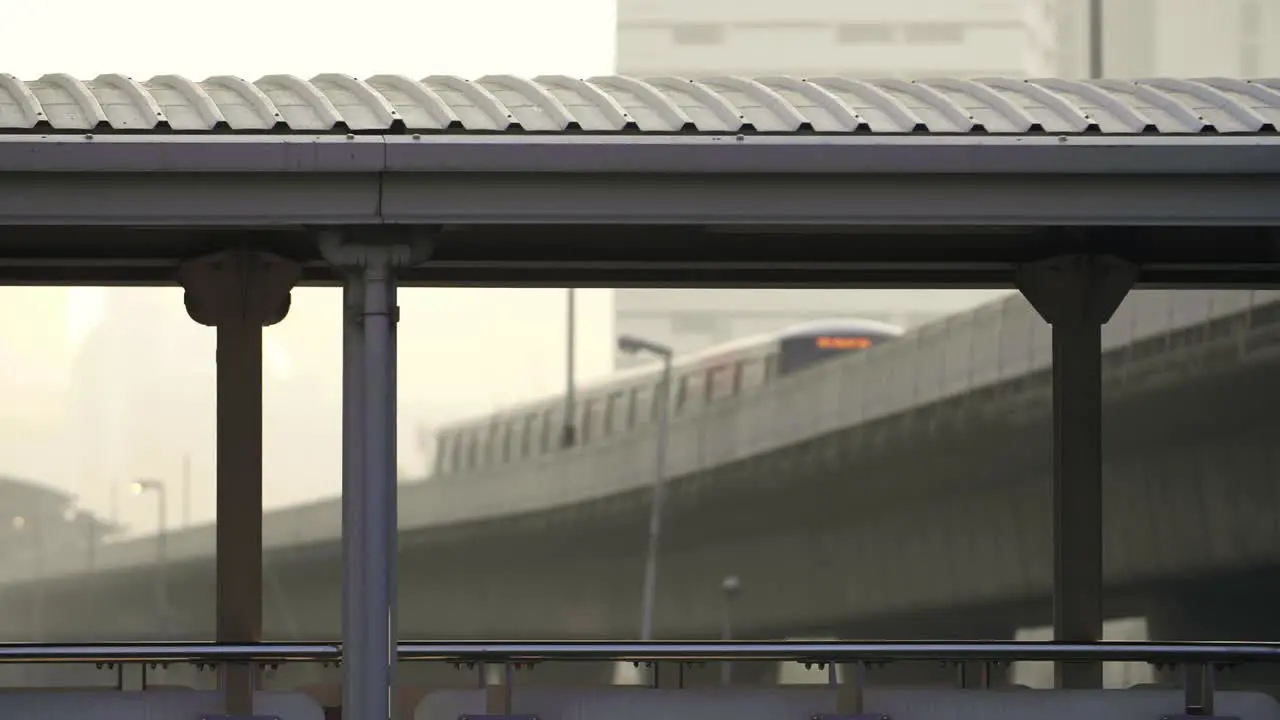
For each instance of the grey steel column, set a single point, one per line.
(353, 569)
(377, 524)
(239, 293)
(369, 531)
(1077, 295)
(393, 498)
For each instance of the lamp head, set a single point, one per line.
(139, 487)
(631, 345)
(731, 585)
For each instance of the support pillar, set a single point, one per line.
(239, 293)
(369, 504)
(1077, 295)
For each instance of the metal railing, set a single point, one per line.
(1199, 659)
(1162, 653)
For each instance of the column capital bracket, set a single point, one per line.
(346, 254)
(1070, 289)
(238, 286)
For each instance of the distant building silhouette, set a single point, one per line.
(33, 385)
(39, 521)
(141, 392)
(144, 395)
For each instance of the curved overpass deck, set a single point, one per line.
(966, 382)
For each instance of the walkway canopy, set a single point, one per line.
(1071, 190)
(616, 181)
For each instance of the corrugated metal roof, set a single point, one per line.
(556, 103)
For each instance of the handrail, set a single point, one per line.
(169, 652)
(845, 652)
(529, 652)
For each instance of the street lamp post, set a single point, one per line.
(730, 587)
(33, 539)
(1095, 39)
(186, 490)
(72, 515)
(569, 432)
(78, 519)
(92, 539)
(632, 345)
(141, 487)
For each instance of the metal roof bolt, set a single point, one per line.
(88, 136)
(351, 136)
(417, 136)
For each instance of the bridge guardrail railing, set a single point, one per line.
(1200, 660)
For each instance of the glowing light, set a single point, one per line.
(828, 342)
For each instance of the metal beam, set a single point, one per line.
(1036, 153)
(656, 255)
(673, 276)
(1230, 195)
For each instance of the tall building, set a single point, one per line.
(914, 39)
(1188, 38)
(837, 37)
(143, 403)
(958, 38)
(140, 399)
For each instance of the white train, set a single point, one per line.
(624, 400)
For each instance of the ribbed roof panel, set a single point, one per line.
(332, 103)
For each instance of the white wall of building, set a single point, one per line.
(843, 37)
(919, 38)
(1188, 38)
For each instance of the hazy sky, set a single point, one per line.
(441, 374)
(462, 351)
(250, 38)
